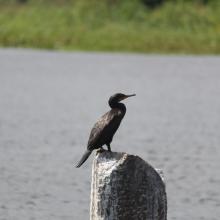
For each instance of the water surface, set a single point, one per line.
(50, 100)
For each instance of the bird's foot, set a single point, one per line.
(100, 150)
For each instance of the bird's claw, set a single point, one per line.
(100, 150)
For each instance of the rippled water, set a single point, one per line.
(49, 102)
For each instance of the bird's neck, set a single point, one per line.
(118, 105)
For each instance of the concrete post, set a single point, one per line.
(125, 187)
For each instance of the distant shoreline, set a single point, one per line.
(173, 28)
(26, 50)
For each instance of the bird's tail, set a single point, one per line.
(84, 158)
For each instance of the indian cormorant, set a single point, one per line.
(105, 128)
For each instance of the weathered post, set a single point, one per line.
(125, 187)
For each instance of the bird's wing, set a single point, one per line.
(101, 126)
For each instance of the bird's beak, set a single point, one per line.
(127, 96)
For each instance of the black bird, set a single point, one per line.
(105, 128)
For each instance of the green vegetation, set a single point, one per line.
(112, 25)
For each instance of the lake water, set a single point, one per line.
(50, 100)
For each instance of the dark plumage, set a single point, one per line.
(104, 129)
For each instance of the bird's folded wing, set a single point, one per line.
(100, 128)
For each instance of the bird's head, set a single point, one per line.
(116, 98)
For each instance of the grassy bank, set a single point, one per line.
(123, 26)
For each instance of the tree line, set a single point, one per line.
(149, 3)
